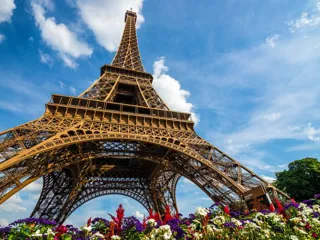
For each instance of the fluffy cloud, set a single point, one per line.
(14, 204)
(35, 186)
(58, 36)
(306, 20)
(170, 90)
(6, 10)
(3, 222)
(312, 133)
(139, 215)
(269, 179)
(106, 19)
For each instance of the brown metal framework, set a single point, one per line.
(117, 137)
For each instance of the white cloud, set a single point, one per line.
(13, 204)
(58, 36)
(45, 58)
(61, 84)
(3, 222)
(68, 61)
(170, 90)
(268, 179)
(35, 186)
(272, 117)
(106, 19)
(6, 10)
(312, 133)
(306, 20)
(139, 215)
(271, 40)
(2, 37)
(72, 90)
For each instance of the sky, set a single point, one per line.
(248, 71)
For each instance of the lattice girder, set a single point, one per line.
(119, 119)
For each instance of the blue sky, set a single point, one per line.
(247, 70)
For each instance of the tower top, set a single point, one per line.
(131, 14)
(128, 55)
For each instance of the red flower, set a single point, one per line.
(120, 216)
(89, 222)
(62, 229)
(226, 210)
(271, 208)
(308, 226)
(167, 215)
(314, 235)
(150, 214)
(292, 200)
(144, 223)
(279, 206)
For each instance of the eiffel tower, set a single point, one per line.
(118, 137)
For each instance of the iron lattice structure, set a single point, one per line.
(117, 137)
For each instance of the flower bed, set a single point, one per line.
(293, 221)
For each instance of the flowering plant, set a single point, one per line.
(293, 221)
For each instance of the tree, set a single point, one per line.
(302, 179)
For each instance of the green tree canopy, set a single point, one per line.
(302, 179)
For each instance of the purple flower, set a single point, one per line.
(4, 231)
(317, 196)
(308, 202)
(174, 225)
(291, 204)
(132, 222)
(105, 221)
(229, 224)
(316, 215)
(267, 211)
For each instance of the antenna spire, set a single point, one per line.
(128, 55)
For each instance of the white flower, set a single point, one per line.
(98, 235)
(37, 234)
(211, 229)
(167, 235)
(202, 212)
(252, 225)
(316, 208)
(50, 232)
(115, 237)
(151, 222)
(299, 230)
(197, 236)
(193, 226)
(307, 211)
(315, 221)
(236, 222)
(302, 205)
(219, 220)
(165, 227)
(87, 228)
(293, 237)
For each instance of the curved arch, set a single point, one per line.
(170, 143)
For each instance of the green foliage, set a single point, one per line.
(301, 180)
